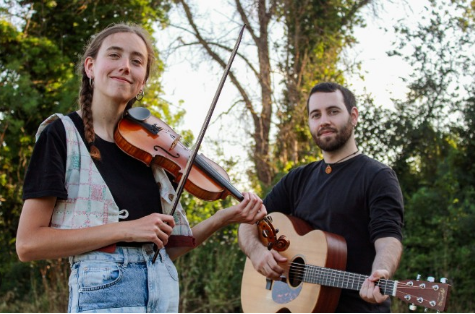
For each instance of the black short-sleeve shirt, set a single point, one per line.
(130, 181)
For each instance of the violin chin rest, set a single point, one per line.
(139, 113)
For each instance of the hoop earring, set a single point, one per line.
(140, 95)
(91, 82)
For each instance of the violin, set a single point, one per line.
(150, 140)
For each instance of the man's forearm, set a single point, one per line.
(388, 254)
(248, 238)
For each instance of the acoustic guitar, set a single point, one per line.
(314, 276)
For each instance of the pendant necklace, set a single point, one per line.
(329, 169)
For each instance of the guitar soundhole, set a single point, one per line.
(284, 292)
(296, 272)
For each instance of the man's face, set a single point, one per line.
(330, 123)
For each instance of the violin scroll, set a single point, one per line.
(268, 234)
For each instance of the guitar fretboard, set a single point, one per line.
(337, 278)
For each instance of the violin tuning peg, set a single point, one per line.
(265, 234)
(276, 231)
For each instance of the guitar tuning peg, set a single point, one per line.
(430, 279)
(418, 277)
(412, 307)
(444, 280)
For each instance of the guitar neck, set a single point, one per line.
(339, 279)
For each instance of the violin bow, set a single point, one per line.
(204, 127)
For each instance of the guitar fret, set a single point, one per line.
(342, 279)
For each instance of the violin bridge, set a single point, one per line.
(155, 129)
(175, 141)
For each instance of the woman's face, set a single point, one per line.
(120, 67)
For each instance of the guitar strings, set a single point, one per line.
(333, 277)
(299, 269)
(338, 278)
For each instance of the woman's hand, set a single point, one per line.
(155, 228)
(248, 211)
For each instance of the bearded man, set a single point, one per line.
(347, 193)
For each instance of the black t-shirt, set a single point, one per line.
(130, 181)
(360, 200)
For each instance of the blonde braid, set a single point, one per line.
(85, 102)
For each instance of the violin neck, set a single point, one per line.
(203, 165)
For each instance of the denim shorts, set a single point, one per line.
(123, 281)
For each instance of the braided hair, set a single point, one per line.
(86, 90)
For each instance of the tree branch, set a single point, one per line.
(348, 17)
(218, 59)
(245, 20)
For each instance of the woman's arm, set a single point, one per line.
(36, 240)
(248, 211)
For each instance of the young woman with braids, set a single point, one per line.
(87, 200)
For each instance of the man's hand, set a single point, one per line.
(266, 263)
(370, 291)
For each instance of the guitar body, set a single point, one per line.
(307, 246)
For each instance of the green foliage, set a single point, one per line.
(38, 55)
(36, 287)
(210, 276)
(429, 139)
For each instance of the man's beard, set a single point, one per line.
(332, 144)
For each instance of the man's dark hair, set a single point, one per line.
(330, 87)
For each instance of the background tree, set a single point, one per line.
(428, 140)
(315, 33)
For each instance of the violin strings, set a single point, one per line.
(204, 164)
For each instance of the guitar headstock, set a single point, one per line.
(428, 294)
